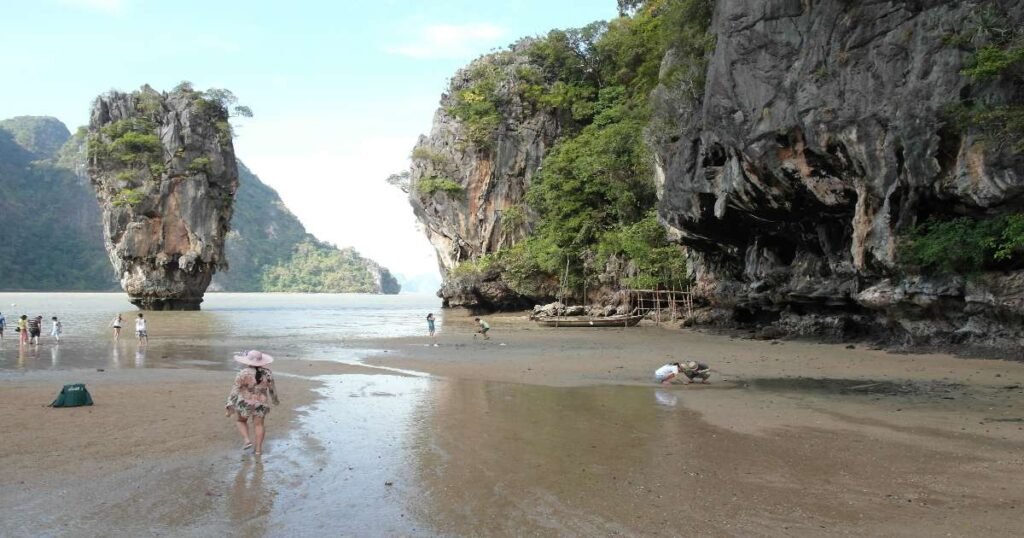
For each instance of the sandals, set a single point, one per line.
(246, 446)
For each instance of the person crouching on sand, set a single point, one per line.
(691, 370)
(695, 370)
(251, 396)
(667, 373)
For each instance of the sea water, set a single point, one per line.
(286, 325)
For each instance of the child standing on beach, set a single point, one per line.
(57, 330)
(253, 392)
(430, 323)
(140, 329)
(116, 324)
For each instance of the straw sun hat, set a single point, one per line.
(691, 364)
(254, 358)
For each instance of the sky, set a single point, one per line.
(340, 90)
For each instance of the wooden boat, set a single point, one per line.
(624, 320)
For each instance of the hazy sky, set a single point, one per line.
(340, 90)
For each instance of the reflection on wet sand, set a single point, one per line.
(505, 459)
(250, 501)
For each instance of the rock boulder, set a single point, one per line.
(163, 168)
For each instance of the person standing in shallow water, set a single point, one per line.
(57, 329)
(140, 330)
(250, 398)
(23, 330)
(116, 324)
(430, 323)
(35, 329)
(3, 325)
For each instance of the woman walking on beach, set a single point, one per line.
(116, 324)
(251, 396)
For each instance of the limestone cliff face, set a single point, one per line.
(463, 192)
(820, 137)
(163, 167)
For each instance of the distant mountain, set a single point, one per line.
(51, 232)
(42, 136)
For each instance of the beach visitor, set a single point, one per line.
(251, 396)
(694, 370)
(484, 327)
(116, 324)
(140, 329)
(57, 329)
(667, 373)
(35, 328)
(23, 329)
(3, 325)
(430, 323)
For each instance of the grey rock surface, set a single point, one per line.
(819, 138)
(493, 181)
(165, 226)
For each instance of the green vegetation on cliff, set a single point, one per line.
(969, 244)
(965, 245)
(594, 193)
(996, 48)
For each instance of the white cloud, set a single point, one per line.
(107, 6)
(449, 40)
(332, 178)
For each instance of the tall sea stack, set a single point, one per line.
(163, 167)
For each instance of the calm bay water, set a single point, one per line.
(309, 326)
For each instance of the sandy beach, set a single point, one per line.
(553, 432)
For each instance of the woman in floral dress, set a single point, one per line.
(251, 397)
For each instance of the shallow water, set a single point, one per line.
(313, 326)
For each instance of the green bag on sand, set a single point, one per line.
(72, 396)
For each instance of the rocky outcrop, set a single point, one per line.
(821, 137)
(163, 167)
(384, 282)
(469, 193)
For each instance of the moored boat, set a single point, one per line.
(625, 320)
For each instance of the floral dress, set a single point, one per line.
(249, 399)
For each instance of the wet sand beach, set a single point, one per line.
(538, 432)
